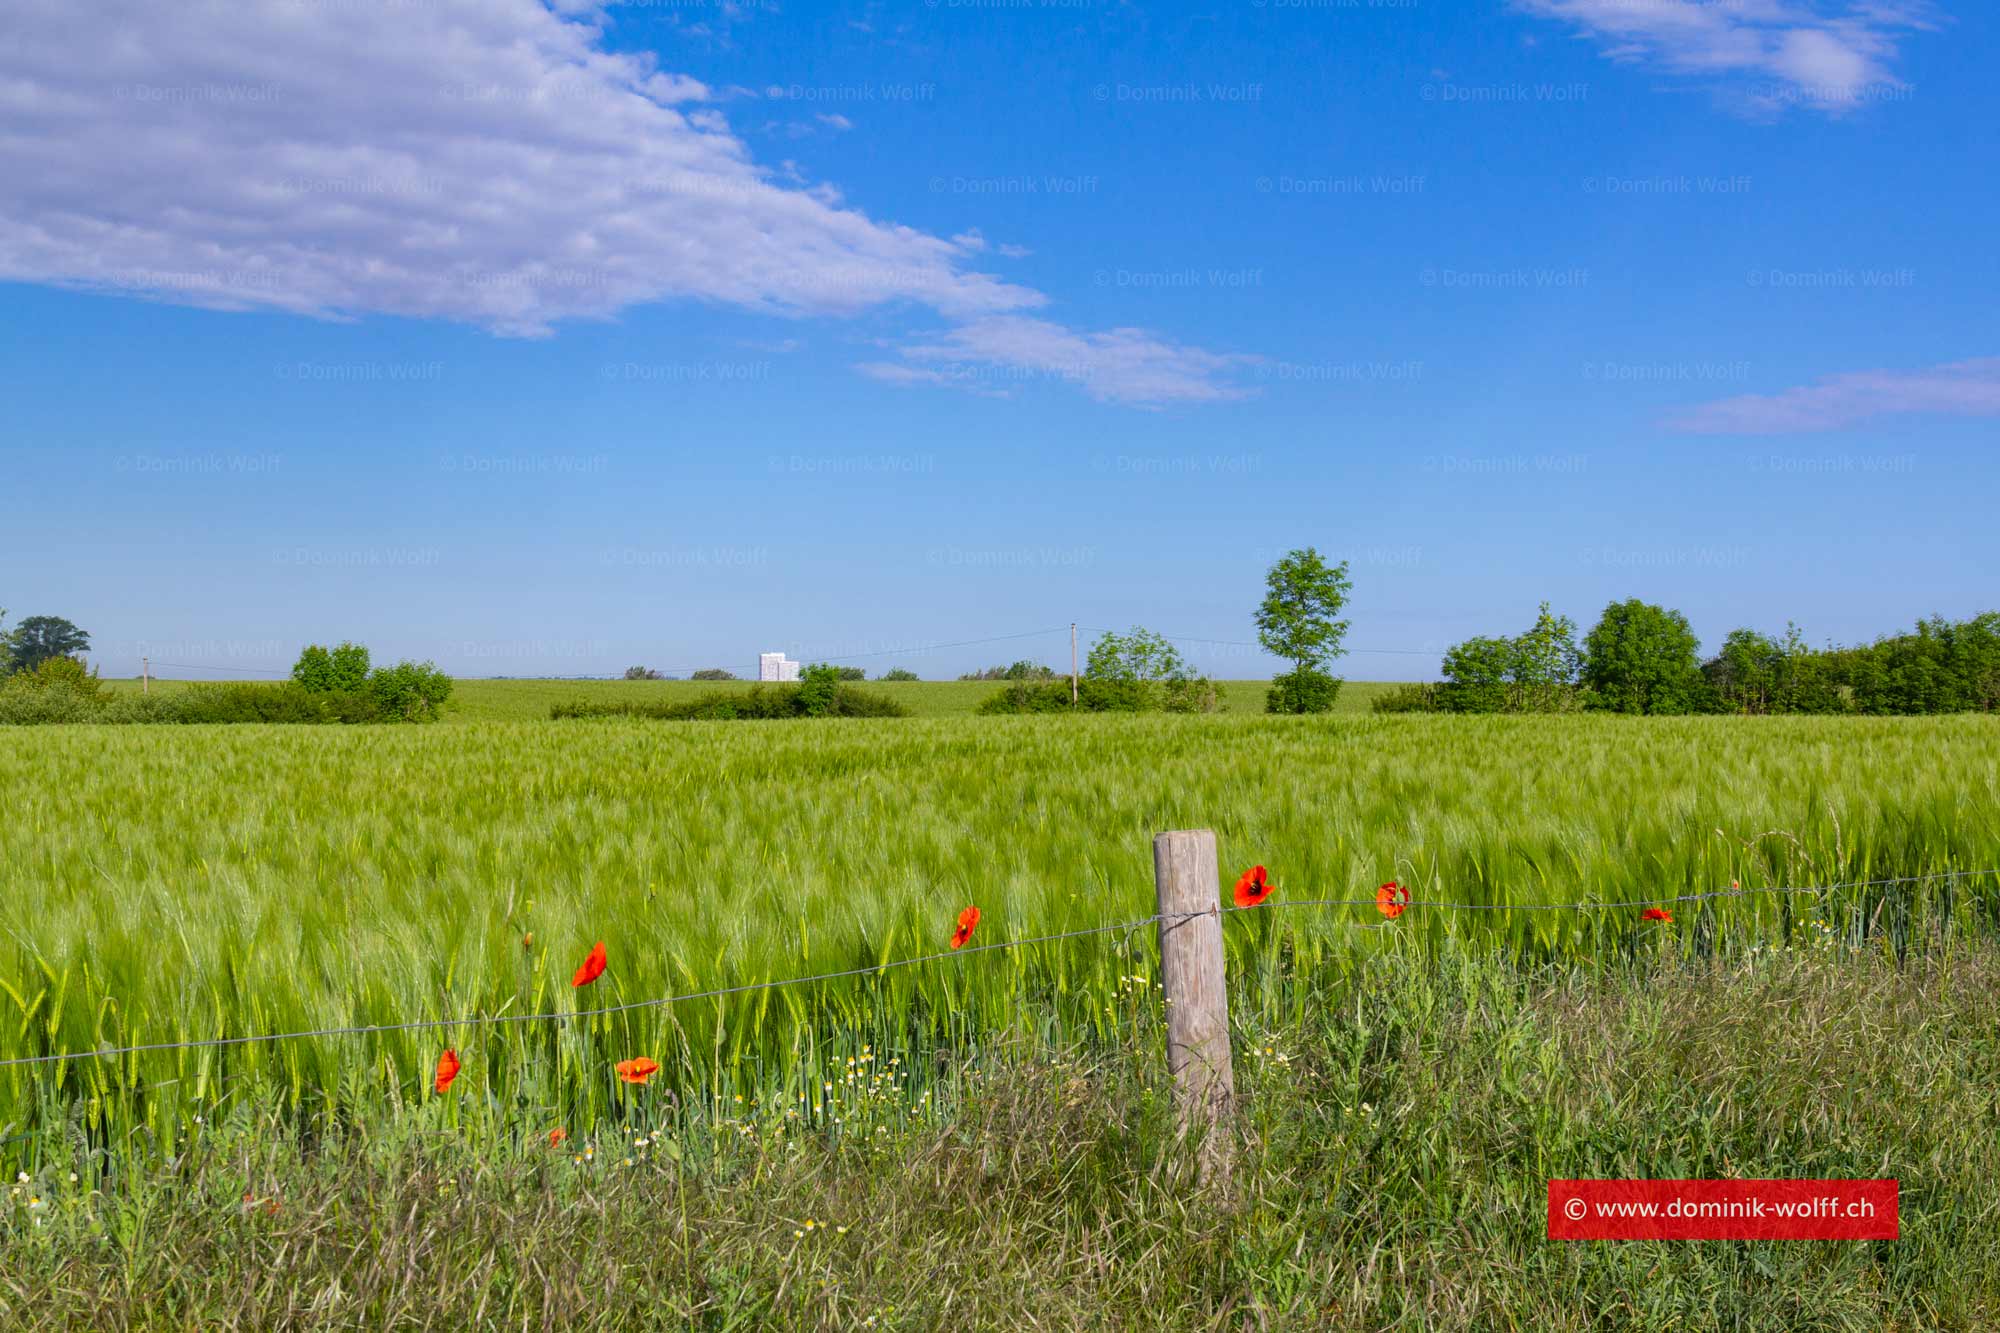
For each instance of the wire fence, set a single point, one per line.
(876, 969)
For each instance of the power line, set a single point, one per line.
(197, 666)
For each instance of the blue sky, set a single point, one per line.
(548, 341)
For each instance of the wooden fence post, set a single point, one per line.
(1191, 977)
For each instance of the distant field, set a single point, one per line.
(529, 700)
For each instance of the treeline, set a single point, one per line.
(328, 686)
(1642, 658)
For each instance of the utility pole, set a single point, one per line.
(1072, 664)
(145, 675)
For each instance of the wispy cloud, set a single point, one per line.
(1128, 366)
(484, 161)
(1958, 388)
(1759, 55)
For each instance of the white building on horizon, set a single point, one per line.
(776, 666)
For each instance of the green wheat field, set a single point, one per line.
(172, 884)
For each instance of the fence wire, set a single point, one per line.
(876, 969)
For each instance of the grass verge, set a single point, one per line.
(1397, 1135)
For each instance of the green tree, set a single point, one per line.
(39, 638)
(1298, 620)
(1546, 663)
(1476, 674)
(898, 673)
(1745, 672)
(1140, 671)
(642, 673)
(1642, 658)
(343, 669)
(713, 673)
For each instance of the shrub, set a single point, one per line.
(898, 673)
(1022, 696)
(1192, 694)
(46, 704)
(1409, 699)
(758, 703)
(410, 691)
(1022, 670)
(817, 685)
(1302, 690)
(713, 673)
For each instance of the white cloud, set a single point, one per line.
(1958, 388)
(1761, 55)
(484, 161)
(1129, 366)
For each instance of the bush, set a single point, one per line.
(45, 705)
(713, 673)
(410, 691)
(758, 703)
(1193, 694)
(642, 673)
(1024, 696)
(1410, 699)
(1022, 670)
(899, 673)
(1302, 690)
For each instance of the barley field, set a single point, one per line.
(171, 884)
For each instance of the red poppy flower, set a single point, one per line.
(1392, 900)
(592, 969)
(1659, 914)
(966, 921)
(1253, 887)
(447, 1069)
(638, 1070)
(558, 1136)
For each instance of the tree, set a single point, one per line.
(898, 673)
(1745, 672)
(38, 638)
(342, 670)
(1141, 670)
(1476, 673)
(1298, 621)
(713, 673)
(642, 673)
(1546, 663)
(1642, 658)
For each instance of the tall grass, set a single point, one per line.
(183, 884)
